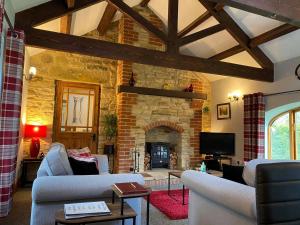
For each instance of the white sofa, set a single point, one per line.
(56, 185)
(216, 201)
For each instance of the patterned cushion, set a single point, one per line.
(83, 154)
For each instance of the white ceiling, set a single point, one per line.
(280, 49)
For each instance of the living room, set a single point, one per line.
(147, 89)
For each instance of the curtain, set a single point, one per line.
(10, 110)
(254, 126)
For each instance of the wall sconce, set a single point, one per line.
(31, 74)
(234, 96)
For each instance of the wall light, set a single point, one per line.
(234, 96)
(31, 74)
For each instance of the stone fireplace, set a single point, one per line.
(165, 137)
(143, 118)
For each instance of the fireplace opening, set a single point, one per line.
(162, 148)
(159, 153)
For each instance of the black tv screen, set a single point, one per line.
(217, 143)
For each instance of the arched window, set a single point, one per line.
(284, 136)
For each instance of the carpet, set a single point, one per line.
(171, 206)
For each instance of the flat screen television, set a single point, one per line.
(217, 143)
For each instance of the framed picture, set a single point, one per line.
(223, 111)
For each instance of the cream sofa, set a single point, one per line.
(56, 185)
(216, 201)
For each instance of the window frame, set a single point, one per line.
(292, 134)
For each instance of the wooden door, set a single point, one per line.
(76, 115)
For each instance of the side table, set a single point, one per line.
(128, 213)
(178, 175)
(123, 197)
(26, 162)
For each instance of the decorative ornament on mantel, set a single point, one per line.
(132, 80)
(297, 72)
(189, 89)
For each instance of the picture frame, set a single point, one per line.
(223, 111)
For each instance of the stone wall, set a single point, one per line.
(54, 65)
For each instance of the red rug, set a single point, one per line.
(171, 206)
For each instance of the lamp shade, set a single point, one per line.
(35, 131)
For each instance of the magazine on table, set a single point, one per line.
(86, 209)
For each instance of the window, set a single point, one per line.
(284, 136)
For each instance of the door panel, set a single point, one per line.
(76, 115)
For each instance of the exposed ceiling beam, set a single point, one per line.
(70, 3)
(229, 52)
(65, 24)
(108, 15)
(144, 3)
(287, 11)
(201, 34)
(272, 34)
(115, 51)
(261, 39)
(238, 34)
(172, 26)
(201, 19)
(48, 11)
(124, 8)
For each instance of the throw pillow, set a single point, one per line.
(83, 152)
(84, 166)
(233, 173)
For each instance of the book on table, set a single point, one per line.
(130, 188)
(86, 209)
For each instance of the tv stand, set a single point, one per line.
(219, 158)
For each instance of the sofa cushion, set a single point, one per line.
(57, 160)
(250, 169)
(83, 166)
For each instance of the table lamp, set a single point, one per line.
(35, 132)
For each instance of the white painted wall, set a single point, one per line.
(285, 80)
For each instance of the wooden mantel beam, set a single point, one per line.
(238, 34)
(108, 15)
(124, 8)
(287, 11)
(98, 48)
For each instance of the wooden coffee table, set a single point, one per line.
(128, 213)
(123, 197)
(178, 175)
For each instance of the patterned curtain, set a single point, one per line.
(10, 110)
(254, 126)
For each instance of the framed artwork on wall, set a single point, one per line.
(223, 111)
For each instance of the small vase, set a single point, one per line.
(132, 81)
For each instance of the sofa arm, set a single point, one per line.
(65, 188)
(103, 163)
(237, 197)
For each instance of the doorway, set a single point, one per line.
(76, 115)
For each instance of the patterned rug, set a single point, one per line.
(171, 205)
